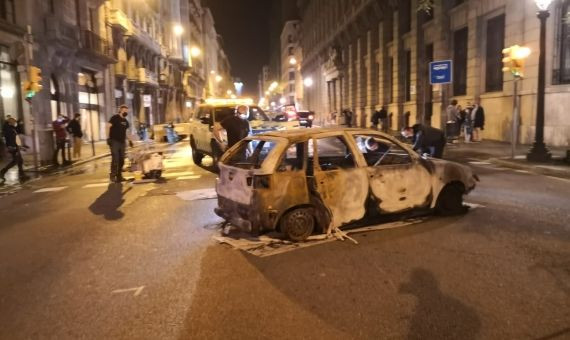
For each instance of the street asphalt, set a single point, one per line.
(84, 259)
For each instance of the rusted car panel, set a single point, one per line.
(335, 181)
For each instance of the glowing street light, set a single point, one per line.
(233, 96)
(219, 78)
(178, 30)
(282, 100)
(195, 51)
(292, 61)
(229, 92)
(308, 82)
(543, 4)
(273, 86)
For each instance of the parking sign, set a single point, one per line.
(440, 72)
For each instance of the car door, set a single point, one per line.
(398, 181)
(339, 180)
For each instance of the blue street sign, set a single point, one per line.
(440, 72)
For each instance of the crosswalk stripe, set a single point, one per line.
(95, 185)
(177, 174)
(188, 177)
(479, 163)
(49, 189)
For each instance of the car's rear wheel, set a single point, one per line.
(197, 156)
(450, 200)
(298, 224)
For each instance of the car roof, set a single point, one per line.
(303, 134)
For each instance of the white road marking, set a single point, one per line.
(95, 185)
(137, 290)
(473, 205)
(479, 163)
(177, 174)
(49, 189)
(559, 179)
(188, 177)
(522, 171)
(199, 194)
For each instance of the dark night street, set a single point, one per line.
(98, 260)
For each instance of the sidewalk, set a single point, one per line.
(500, 153)
(89, 153)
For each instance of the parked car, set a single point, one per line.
(207, 115)
(306, 118)
(307, 180)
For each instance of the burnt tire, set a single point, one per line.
(450, 200)
(197, 156)
(298, 224)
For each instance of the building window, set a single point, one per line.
(291, 88)
(408, 75)
(292, 75)
(406, 16)
(460, 62)
(7, 11)
(456, 3)
(290, 51)
(289, 38)
(564, 66)
(494, 54)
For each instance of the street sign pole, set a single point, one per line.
(516, 113)
(441, 72)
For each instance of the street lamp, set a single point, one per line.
(538, 152)
(282, 100)
(308, 82)
(229, 92)
(195, 51)
(238, 85)
(292, 61)
(178, 30)
(219, 78)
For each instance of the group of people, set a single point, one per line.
(468, 122)
(380, 117)
(63, 126)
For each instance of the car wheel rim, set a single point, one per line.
(299, 223)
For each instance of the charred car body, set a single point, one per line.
(302, 181)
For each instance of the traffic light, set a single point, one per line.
(513, 60)
(34, 83)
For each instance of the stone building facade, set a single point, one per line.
(362, 54)
(98, 54)
(291, 59)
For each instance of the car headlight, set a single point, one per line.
(311, 117)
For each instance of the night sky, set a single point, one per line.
(244, 26)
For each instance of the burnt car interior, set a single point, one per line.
(378, 151)
(334, 154)
(251, 154)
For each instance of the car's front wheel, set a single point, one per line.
(450, 200)
(298, 224)
(197, 156)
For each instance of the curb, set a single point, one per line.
(531, 168)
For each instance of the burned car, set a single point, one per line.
(305, 181)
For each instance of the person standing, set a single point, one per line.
(118, 126)
(348, 117)
(478, 119)
(384, 118)
(375, 120)
(452, 117)
(74, 129)
(10, 132)
(237, 126)
(426, 139)
(60, 139)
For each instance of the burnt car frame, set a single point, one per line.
(301, 181)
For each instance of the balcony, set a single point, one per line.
(121, 68)
(93, 45)
(147, 77)
(119, 19)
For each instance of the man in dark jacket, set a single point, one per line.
(118, 126)
(74, 129)
(237, 126)
(426, 139)
(10, 132)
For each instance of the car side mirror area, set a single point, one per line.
(206, 120)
